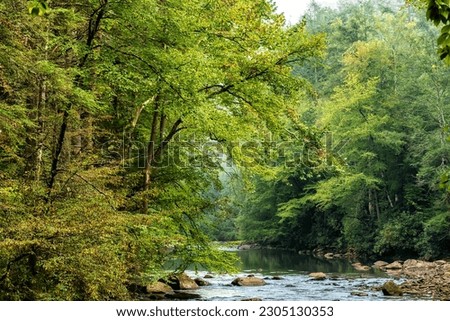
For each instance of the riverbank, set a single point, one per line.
(286, 275)
(414, 277)
(428, 279)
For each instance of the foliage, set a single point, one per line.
(382, 106)
(114, 119)
(438, 12)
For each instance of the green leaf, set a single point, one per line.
(442, 38)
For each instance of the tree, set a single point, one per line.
(382, 98)
(99, 190)
(438, 11)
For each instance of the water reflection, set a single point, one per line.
(282, 262)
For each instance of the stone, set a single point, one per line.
(394, 266)
(380, 264)
(182, 282)
(329, 256)
(245, 247)
(248, 281)
(201, 282)
(277, 277)
(420, 269)
(183, 296)
(252, 299)
(208, 276)
(440, 262)
(359, 267)
(394, 273)
(158, 287)
(318, 276)
(391, 289)
(357, 293)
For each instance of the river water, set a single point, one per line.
(295, 284)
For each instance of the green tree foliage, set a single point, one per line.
(438, 12)
(114, 118)
(383, 100)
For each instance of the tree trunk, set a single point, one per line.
(370, 204)
(377, 206)
(94, 26)
(150, 152)
(40, 129)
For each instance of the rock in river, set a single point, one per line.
(392, 289)
(158, 288)
(182, 282)
(318, 276)
(359, 267)
(201, 282)
(248, 281)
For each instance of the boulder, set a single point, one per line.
(182, 282)
(158, 287)
(318, 276)
(391, 289)
(362, 268)
(359, 267)
(252, 299)
(248, 281)
(419, 269)
(410, 263)
(277, 278)
(394, 266)
(357, 293)
(208, 276)
(329, 256)
(380, 264)
(440, 262)
(394, 273)
(426, 278)
(201, 282)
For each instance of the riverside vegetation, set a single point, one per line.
(132, 133)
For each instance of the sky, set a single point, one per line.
(294, 9)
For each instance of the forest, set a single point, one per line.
(133, 134)
(378, 185)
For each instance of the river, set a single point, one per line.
(344, 283)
